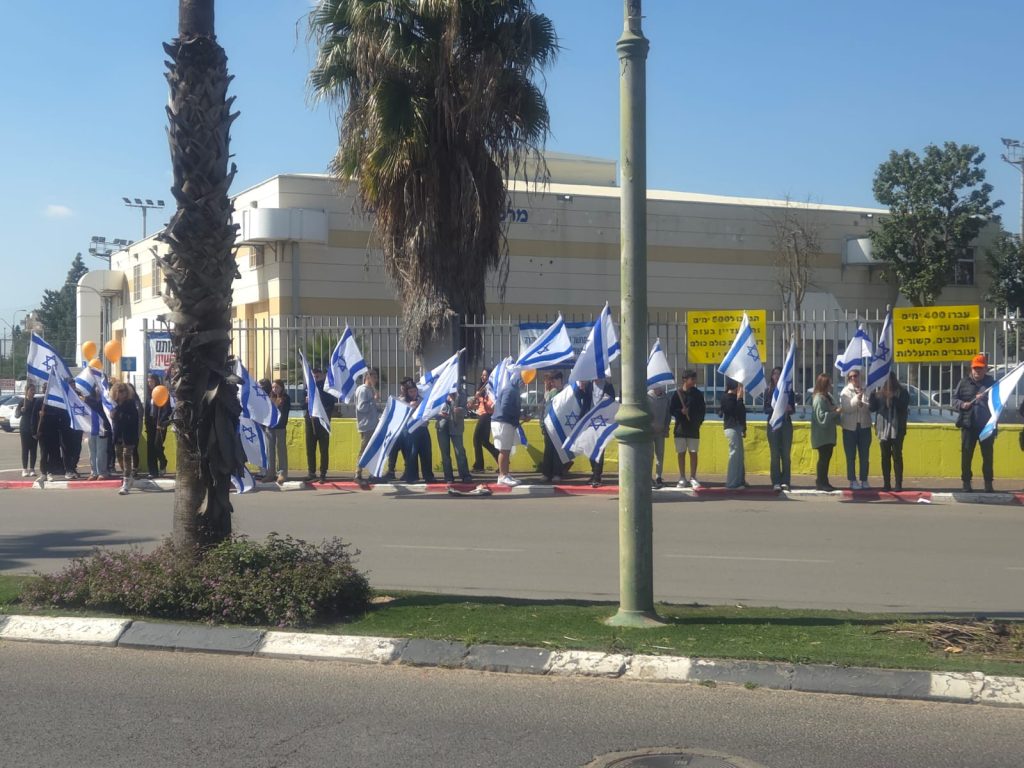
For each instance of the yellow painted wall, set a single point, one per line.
(930, 450)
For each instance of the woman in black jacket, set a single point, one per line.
(734, 420)
(28, 411)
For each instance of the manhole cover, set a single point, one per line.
(671, 758)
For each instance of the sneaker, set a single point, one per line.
(49, 477)
(93, 477)
(658, 482)
(323, 478)
(69, 475)
(508, 480)
(864, 486)
(777, 487)
(31, 473)
(784, 486)
(281, 479)
(595, 483)
(967, 488)
(855, 485)
(556, 479)
(695, 485)
(683, 483)
(24, 473)
(124, 489)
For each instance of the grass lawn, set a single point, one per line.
(724, 632)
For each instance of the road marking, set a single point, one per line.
(755, 559)
(450, 549)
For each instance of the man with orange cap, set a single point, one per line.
(970, 398)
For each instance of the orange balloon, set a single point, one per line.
(89, 350)
(96, 363)
(161, 395)
(112, 350)
(528, 375)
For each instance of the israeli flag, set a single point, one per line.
(998, 394)
(881, 360)
(88, 380)
(561, 417)
(782, 397)
(500, 377)
(435, 387)
(392, 422)
(743, 361)
(83, 418)
(106, 401)
(859, 348)
(315, 406)
(254, 441)
(347, 364)
(243, 481)
(256, 403)
(601, 348)
(594, 430)
(551, 349)
(658, 371)
(43, 360)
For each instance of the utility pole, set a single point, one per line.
(636, 447)
(1014, 156)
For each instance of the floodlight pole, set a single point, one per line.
(635, 436)
(1014, 156)
(145, 205)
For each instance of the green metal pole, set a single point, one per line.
(636, 447)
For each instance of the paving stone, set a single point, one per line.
(591, 663)
(370, 650)
(58, 629)
(433, 653)
(180, 637)
(499, 658)
(892, 683)
(662, 669)
(763, 674)
(1002, 691)
(956, 686)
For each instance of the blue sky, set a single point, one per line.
(747, 98)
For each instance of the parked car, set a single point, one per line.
(8, 406)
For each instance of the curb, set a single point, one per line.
(704, 494)
(956, 687)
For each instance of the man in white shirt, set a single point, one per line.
(367, 414)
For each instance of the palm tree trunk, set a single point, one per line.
(200, 268)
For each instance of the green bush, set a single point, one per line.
(281, 581)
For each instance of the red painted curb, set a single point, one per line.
(907, 497)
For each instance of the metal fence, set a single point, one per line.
(270, 349)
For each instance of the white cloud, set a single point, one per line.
(58, 212)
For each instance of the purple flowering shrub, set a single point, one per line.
(280, 581)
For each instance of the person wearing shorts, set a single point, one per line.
(505, 426)
(688, 408)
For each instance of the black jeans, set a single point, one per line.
(892, 458)
(482, 442)
(824, 457)
(550, 463)
(317, 436)
(28, 450)
(156, 459)
(968, 439)
(50, 461)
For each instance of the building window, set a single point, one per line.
(255, 256)
(137, 283)
(964, 271)
(157, 278)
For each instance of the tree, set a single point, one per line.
(199, 268)
(1006, 266)
(439, 106)
(938, 204)
(58, 311)
(796, 239)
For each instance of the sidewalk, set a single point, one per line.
(957, 687)
(921, 491)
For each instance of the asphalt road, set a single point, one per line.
(84, 707)
(763, 551)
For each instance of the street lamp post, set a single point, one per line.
(1014, 156)
(636, 447)
(103, 249)
(145, 205)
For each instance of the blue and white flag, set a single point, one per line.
(243, 481)
(602, 347)
(106, 401)
(550, 350)
(782, 397)
(659, 374)
(88, 380)
(314, 405)
(881, 360)
(594, 430)
(743, 361)
(859, 348)
(500, 377)
(389, 428)
(435, 387)
(254, 441)
(347, 365)
(256, 403)
(83, 418)
(998, 394)
(43, 359)
(561, 417)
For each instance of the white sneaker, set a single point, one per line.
(31, 473)
(49, 477)
(695, 485)
(124, 488)
(855, 485)
(864, 485)
(777, 488)
(683, 484)
(69, 476)
(508, 480)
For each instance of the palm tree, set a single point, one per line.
(199, 268)
(438, 107)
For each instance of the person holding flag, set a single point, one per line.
(659, 377)
(734, 422)
(367, 415)
(779, 408)
(505, 426)
(970, 399)
(742, 362)
(99, 433)
(346, 366)
(318, 407)
(891, 404)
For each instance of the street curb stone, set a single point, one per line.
(758, 673)
(54, 629)
(180, 637)
(660, 669)
(355, 648)
(433, 653)
(1002, 691)
(586, 663)
(964, 687)
(500, 658)
(887, 683)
